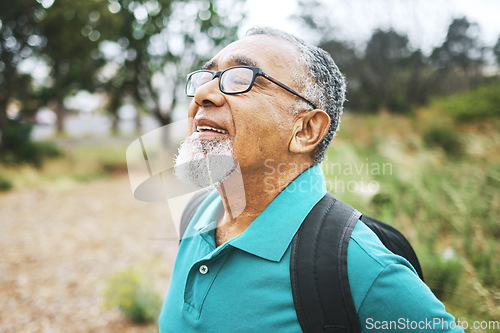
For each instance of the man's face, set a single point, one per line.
(257, 123)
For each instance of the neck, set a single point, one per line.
(245, 195)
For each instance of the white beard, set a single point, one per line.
(204, 162)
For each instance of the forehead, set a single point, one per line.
(267, 52)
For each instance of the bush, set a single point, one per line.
(444, 137)
(18, 148)
(478, 104)
(435, 202)
(132, 295)
(5, 184)
(442, 272)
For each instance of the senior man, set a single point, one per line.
(274, 104)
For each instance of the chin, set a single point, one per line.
(204, 161)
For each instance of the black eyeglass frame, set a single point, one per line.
(257, 71)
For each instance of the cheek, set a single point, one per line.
(262, 133)
(264, 117)
(190, 117)
(190, 126)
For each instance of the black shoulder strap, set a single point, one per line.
(189, 211)
(320, 285)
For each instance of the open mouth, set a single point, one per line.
(210, 129)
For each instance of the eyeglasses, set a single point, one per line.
(233, 80)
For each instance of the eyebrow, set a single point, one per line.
(237, 59)
(242, 60)
(209, 64)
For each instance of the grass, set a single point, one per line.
(447, 204)
(76, 165)
(131, 292)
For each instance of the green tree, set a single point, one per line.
(386, 74)
(383, 79)
(72, 31)
(496, 51)
(315, 18)
(421, 81)
(349, 62)
(460, 58)
(19, 40)
(156, 43)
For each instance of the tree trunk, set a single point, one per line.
(138, 121)
(3, 123)
(115, 120)
(61, 114)
(114, 104)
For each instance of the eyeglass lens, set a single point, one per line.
(236, 80)
(233, 80)
(196, 80)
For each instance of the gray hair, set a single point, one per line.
(322, 82)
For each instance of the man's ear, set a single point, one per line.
(309, 129)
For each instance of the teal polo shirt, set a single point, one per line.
(244, 284)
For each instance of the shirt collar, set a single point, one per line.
(272, 231)
(207, 216)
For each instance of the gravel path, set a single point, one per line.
(58, 246)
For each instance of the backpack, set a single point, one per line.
(318, 262)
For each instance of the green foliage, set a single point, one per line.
(17, 147)
(390, 73)
(99, 161)
(496, 51)
(20, 40)
(83, 163)
(133, 296)
(461, 47)
(152, 55)
(478, 104)
(442, 272)
(439, 203)
(484, 258)
(5, 184)
(135, 52)
(86, 177)
(444, 137)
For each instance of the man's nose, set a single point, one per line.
(209, 94)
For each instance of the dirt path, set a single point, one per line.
(58, 245)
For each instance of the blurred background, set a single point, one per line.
(418, 147)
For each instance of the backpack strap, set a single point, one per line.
(318, 265)
(320, 285)
(191, 208)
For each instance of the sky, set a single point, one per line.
(425, 21)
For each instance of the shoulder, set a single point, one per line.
(385, 287)
(369, 260)
(365, 246)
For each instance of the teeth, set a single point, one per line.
(208, 128)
